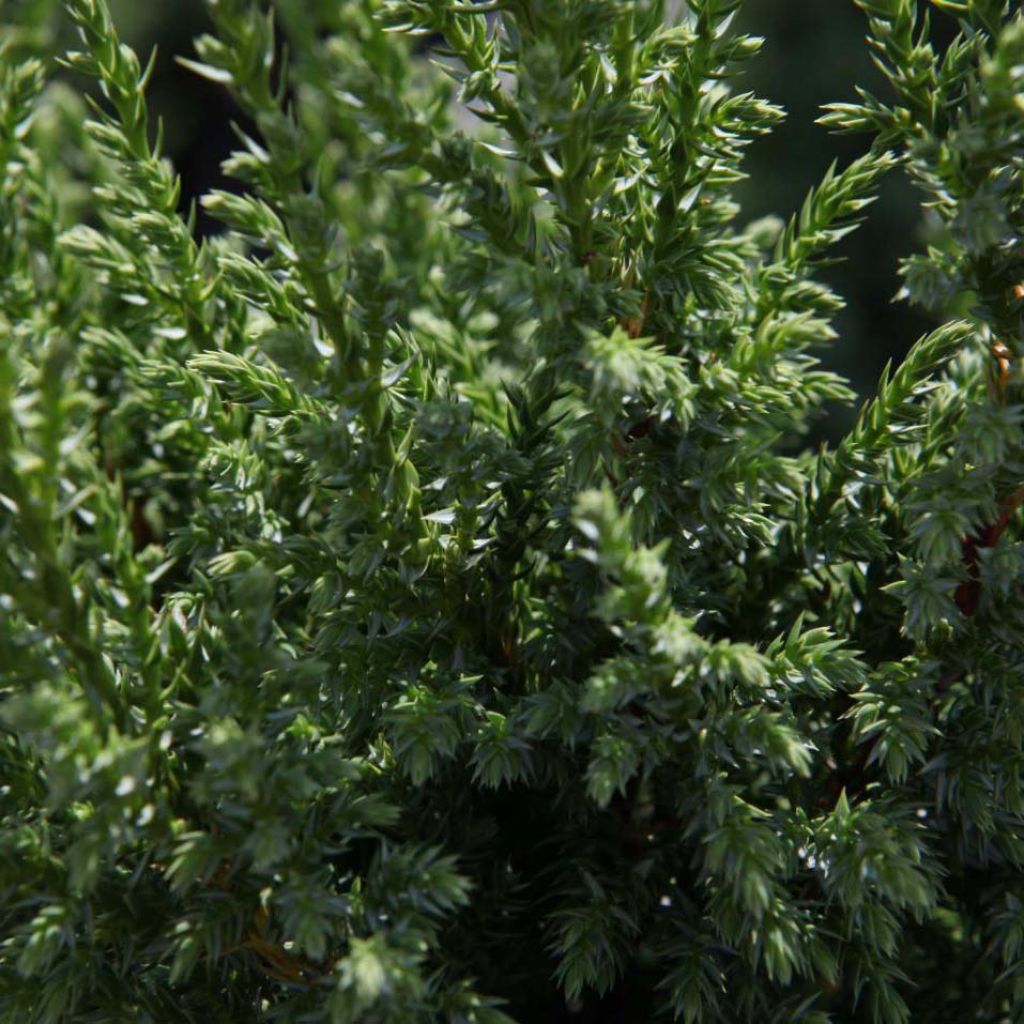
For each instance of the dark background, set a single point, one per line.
(814, 54)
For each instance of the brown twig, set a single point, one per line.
(278, 963)
(634, 325)
(968, 594)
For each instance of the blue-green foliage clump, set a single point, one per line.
(418, 602)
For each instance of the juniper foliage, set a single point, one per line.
(419, 601)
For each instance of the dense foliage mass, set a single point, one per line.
(417, 603)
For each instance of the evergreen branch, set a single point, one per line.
(829, 214)
(148, 199)
(886, 415)
(245, 60)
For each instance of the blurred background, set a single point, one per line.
(814, 53)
